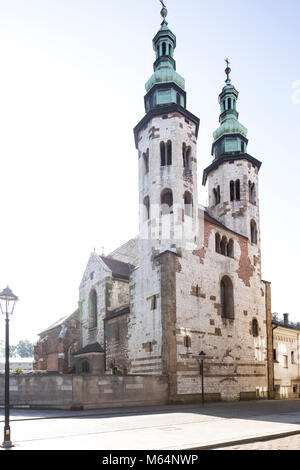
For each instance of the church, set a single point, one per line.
(189, 286)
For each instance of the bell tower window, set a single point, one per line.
(252, 193)
(166, 200)
(253, 230)
(169, 152)
(146, 162)
(146, 208)
(238, 190)
(186, 157)
(188, 204)
(162, 154)
(235, 190)
(166, 153)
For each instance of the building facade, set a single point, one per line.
(54, 350)
(286, 355)
(191, 280)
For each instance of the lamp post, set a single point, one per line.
(201, 362)
(7, 304)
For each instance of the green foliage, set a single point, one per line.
(18, 370)
(23, 349)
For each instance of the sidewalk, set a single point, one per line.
(188, 427)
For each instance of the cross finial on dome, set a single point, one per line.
(164, 11)
(227, 70)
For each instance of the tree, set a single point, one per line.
(23, 349)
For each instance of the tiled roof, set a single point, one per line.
(291, 325)
(212, 220)
(118, 268)
(89, 348)
(59, 322)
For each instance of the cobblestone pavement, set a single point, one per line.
(285, 443)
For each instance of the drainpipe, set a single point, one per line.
(273, 328)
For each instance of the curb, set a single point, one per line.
(267, 437)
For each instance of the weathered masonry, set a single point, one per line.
(191, 280)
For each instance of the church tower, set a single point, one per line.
(166, 140)
(233, 175)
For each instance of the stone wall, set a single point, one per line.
(84, 392)
(39, 390)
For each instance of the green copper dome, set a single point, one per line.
(165, 74)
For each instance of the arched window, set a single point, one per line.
(238, 190)
(215, 193)
(146, 208)
(166, 200)
(227, 302)
(162, 154)
(146, 163)
(169, 152)
(166, 153)
(223, 246)
(85, 367)
(178, 98)
(93, 310)
(164, 48)
(230, 249)
(253, 229)
(218, 242)
(252, 193)
(186, 156)
(235, 190)
(229, 103)
(188, 204)
(231, 190)
(243, 147)
(255, 327)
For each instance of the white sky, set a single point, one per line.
(71, 91)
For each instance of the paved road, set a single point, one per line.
(286, 443)
(163, 428)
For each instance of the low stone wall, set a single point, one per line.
(84, 392)
(39, 390)
(115, 391)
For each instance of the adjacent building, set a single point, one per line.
(54, 350)
(286, 355)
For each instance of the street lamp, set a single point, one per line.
(201, 358)
(7, 304)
